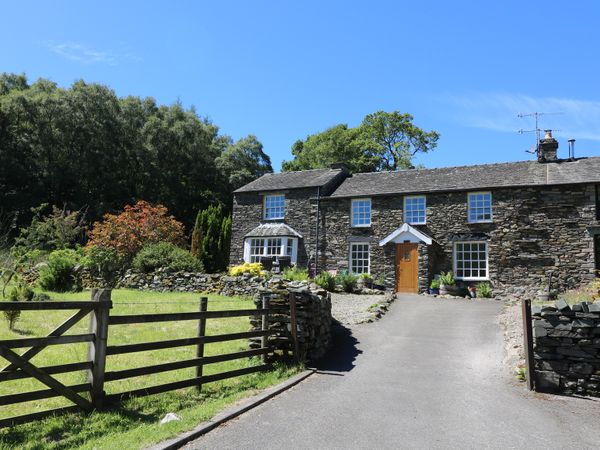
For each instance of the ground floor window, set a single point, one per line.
(471, 260)
(360, 257)
(256, 248)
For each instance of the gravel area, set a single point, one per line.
(352, 309)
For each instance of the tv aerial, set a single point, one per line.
(537, 130)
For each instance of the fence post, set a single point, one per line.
(264, 340)
(294, 326)
(201, 333)
(97, 348)
(528, 343)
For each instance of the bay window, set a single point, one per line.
(257, 248)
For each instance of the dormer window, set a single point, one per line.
(361, 212)
(274, 207)
(480, 207)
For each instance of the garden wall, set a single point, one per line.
(313, 316)
(567, 348)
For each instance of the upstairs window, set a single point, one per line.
(361, 212)
(274, 207)
(480, 207)
(359, 257)
(471, 260)
(415, 210)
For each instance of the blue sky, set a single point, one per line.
(282, 70)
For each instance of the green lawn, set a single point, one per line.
(134, 424)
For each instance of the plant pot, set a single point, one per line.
(448, 289)
(434, 291)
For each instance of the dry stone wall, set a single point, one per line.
(567, 348)
(313, 316)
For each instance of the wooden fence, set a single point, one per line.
(98, 349)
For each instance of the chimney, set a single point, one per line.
(547, 150)
(340, 165)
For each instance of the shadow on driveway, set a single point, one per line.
(343, 351)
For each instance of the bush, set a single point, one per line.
(19, 293)
(104, 264)
(61, 273)
(251, 268)
(165, 255)
(348, 281)
(435, 283)
(295, 274)
(326, 281)
(211, 238)
(484, 290)
(56, 230)
(135, 227)
(447, 279)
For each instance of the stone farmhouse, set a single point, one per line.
(516, 225)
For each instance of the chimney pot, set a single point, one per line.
(548, 148)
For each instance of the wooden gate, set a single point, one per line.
(407, 268)
(21, 367)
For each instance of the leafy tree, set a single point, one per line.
(83, 146)
(244, 162)
(211, 238)
(394, 139)
(135, 227)
(383, 141)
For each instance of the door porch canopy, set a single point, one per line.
(406, 233)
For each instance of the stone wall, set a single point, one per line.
(313, 317)
(567, 348)
(535, 231)
(165, 281)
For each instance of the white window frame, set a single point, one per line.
(350, 260)
(266, 208)
(356, 201)
(287, 243)
(487, 262)
(469, 207)
(412, 197)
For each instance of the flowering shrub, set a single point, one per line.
(251, 268)
(136, 226)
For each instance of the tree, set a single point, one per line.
(383, 141)
(83, 146)
(136, 226)
(211, 238)
(244, 162)
(394, 139)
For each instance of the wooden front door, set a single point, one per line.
(407, 268)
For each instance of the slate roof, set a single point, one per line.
(273, 229)
(291, 180)
(484, 176)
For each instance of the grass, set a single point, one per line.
(134, 423)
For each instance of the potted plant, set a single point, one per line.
(447, 284)
(434, 287)
(485, 290)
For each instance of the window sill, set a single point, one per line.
(360, 226)
(481, 221)
(471, 279)
(417, 223)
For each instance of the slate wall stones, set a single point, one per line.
(313, 316)
(535, 231)
(567, 348)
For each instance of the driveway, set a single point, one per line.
(428, 375)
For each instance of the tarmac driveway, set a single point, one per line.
(428, 375)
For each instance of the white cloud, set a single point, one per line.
(578, 118)
(87, 55)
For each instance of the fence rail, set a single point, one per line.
(101, 320)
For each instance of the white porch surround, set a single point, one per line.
(406, 233)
